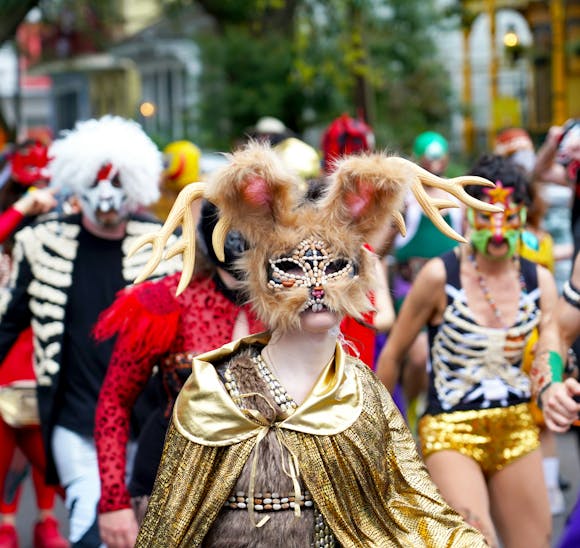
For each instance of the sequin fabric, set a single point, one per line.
(367, 481)
(492, 437)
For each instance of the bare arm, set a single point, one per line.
(385, 311)
(546, 168)
(560, 410)
(421, 306)
(549, 338)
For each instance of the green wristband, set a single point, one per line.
(556, 365)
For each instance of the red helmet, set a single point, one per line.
(344, 136)
(28, 163)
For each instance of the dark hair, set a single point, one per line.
(12, 190)
(235, 244)
(498, 168)
(10, 193)
(316, 190)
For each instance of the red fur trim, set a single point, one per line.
(143, 324)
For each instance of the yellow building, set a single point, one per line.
(554, 61)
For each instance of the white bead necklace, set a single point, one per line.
(279, 393)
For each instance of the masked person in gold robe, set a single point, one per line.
(281, 438)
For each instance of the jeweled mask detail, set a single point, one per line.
(313, 266)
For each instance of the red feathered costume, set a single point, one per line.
(154, 328)
(27, 165)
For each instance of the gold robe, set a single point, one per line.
(355, 455)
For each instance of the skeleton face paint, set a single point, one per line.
(497, 228)
(311, 265)
(105, 202)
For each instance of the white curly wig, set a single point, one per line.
(79, 154)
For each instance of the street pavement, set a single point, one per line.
(570, 470)
(28, 514)
(569, 467)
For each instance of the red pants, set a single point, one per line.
(29, 441)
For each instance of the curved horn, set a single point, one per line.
(180, 214)
(399, 221)
(218, 238)
(432, 206)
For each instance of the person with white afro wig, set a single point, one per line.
(68, 268)
(110, 164)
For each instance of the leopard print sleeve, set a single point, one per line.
(145, 319)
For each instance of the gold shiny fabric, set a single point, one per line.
(362, 470)
(206, 414)
(492, 437)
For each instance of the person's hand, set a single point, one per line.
(558, 404)
(554, 135)
(118, 529)
(36, 202)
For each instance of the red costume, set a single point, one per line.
(9, 222)
(18, 367)
(154, 327)
(360, 335)
(27, 168)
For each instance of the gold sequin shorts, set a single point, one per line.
(492, 437)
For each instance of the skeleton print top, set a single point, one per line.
(475, 367)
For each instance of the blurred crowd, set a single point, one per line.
(466, 336)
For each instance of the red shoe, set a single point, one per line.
(47, 535)
(8, 536)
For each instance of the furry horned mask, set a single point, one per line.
(305, 254)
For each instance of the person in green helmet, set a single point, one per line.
(431, 152)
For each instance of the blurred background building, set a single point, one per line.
(508, 62)
(520, 66)
(53, 76)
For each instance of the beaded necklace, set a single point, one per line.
(281, 397)
(485, 289)
(278, 392)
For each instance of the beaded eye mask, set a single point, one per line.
(310, 265)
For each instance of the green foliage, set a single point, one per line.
(86, 24)
(413, 93)
(376, 57)
(229, 11)
(244, 79)
(303, 61)
(389, 44)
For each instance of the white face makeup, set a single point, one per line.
(310, 265)
(105, 203)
